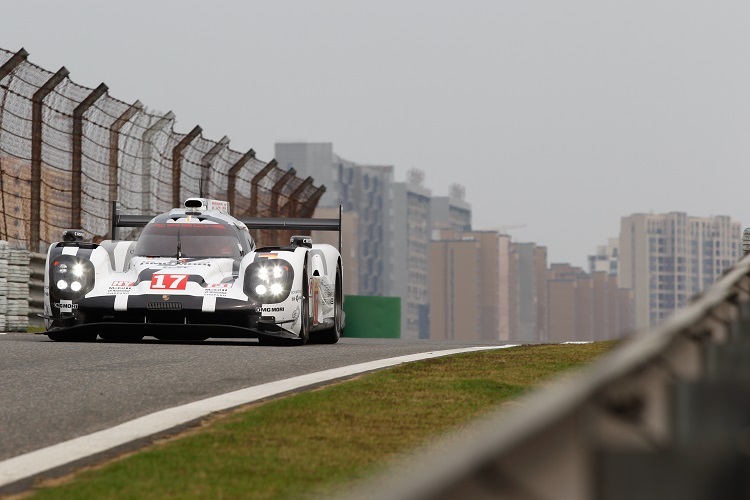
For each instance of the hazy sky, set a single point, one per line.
(562, 116)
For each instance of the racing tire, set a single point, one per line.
(121, 337)
(332, 335)
(71, 337)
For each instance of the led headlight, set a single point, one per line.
(269, 281)
(71, 277)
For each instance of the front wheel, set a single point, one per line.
(71, 336)
(332, 335)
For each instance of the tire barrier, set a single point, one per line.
(14, 288)
(666, 414)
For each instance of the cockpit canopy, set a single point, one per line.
(189, 240)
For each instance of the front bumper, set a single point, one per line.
(181, 316)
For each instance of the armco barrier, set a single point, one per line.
(36, 289)
(664, 415)
(372, 317)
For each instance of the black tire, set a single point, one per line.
(71, 336)
(121, 337)
(304, 315)
(332, 335)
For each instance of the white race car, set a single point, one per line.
(195, 273)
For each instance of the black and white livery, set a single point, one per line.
(195, 273)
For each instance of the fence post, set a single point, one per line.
(293, 201)
(148, 136)
(255, 188)
(13, 63)
(232, 176)
(308, 208)
(276, 191)
(177, 163)
(114, 149)
(206, 162)
(77, 168)
(36, 155)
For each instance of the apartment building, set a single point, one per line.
(528, 274)
(411, 240)
(349, 244)
(667, 258)
(451, 211)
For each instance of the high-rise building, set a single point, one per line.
(411, 239)
(366, 190)
(606, 258)
(475, 265)
(452, 211)
(454, 289)
(667, 258)
(528, 277)
(584, 306)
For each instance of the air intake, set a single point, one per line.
(164, 306)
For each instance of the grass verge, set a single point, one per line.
(314, 442)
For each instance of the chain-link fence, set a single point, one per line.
(66, 151)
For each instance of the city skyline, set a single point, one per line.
(558, 117)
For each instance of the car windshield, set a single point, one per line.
(188, 240)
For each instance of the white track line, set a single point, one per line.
(35, 462)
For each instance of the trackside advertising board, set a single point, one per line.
(372, 317)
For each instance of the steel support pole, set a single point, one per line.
(255, 188)
(12, 63)
(36, 155)
(208, 158)
(177, 164)
(148, 146)
(276, 191)
(114, 148)
(308, 208)
(77, 167)
(232, 176)
(292, 202)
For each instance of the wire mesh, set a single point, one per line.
(127, 153)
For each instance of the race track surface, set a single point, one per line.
(53, 392)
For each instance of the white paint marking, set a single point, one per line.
(121, 302)
(35, 462)
(209, 304)
(121, 252)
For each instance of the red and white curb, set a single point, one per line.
(36, 462)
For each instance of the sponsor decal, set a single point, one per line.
(268, 256)
(169, 281)
(65, 305)
(269, 309)
(217, 290)
(295, 316)
(296, 298)
(120, 287)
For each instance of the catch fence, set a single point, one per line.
(66, 151)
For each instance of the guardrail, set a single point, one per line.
(36, 289)
(664, 415)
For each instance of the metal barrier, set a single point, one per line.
(36, 289)
(664, 415)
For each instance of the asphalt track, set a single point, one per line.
(53, 392)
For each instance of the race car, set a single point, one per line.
(193, 273)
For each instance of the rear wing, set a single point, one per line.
(119, 220)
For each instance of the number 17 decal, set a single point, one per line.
(169, 281)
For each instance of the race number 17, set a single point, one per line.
(169, 281)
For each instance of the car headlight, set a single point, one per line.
(71, 277)
(269, 281)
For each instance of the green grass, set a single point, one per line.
(317, 441)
